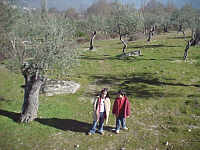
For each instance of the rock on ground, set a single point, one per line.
(132, 53)
(55, 87)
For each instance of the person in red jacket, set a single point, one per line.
(121, 109)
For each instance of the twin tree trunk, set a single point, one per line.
(31, 98)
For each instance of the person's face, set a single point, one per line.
(120, 95)
(104, 93)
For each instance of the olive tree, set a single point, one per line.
(40, 46)
(152, 13)
(195, 40)
(124, 21)
(178, 19)
(165, 19)
(188, 17)
(191, 18)
(90, 26)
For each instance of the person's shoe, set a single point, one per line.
(113, 130)
(125, 128)
(91, 132)
(102, 133)
(117, 131)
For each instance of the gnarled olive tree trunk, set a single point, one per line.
(31, 98)
(124, 43)
(151, 33)
(92, 40)
(165, 28)
(121, 34)
(197, 37)
(180, 29)
(194, 41)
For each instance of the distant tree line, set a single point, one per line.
(114, 19)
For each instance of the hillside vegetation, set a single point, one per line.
(164, 92)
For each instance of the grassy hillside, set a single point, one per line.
(164, 92)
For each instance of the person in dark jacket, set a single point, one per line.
(121, 109)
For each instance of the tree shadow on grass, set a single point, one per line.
(65, 124)
(143, 85)
(68, 124)
(151, 46)
(180, 37)
(62, 124)
(119, 57)
(103, 57)
(3, 99)
(148, 78)
(12, 115)
(157, 59)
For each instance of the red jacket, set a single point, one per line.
(121, 107)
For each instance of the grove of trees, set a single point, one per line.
(42, 42)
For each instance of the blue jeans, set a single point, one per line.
(120, 120)
(101, 122)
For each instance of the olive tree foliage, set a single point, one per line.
(7, 19)
(95, 20)
(71, 13)
(44, 6)
(152, 13)
(90, 26)
(45, 43)
(165, 19)
(108, 19)
(40, 46)
(175, 18)
(166, 15)
(179, 18)
(100, 8)
(190, 17)
(125, 20)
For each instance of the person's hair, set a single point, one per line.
(105, 89)
(121, 92)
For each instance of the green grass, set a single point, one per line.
(162, 88)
